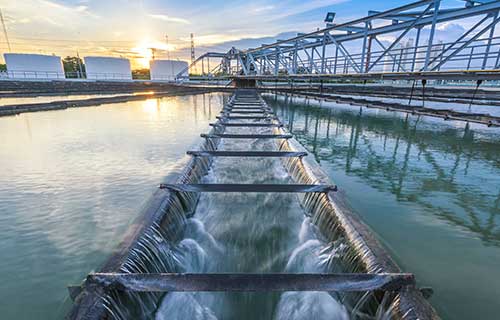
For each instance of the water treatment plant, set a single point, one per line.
(349, 170)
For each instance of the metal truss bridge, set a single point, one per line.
(397, 44)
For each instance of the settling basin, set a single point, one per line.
(74, 179)
(429, 188)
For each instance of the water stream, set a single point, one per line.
(253, 233)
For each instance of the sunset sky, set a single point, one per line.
(130, 27)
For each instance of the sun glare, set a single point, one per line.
(144, 51)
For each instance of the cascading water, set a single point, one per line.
(251, 232)
(255, 233)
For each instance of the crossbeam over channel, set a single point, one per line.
(247, 136)
(264, 154)
(228, 124)
(233, 187)
(340, 282)
(247, 117)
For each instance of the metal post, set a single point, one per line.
(277, 64)
(431, 36)
(368, 54)
(336, 59)
(323, 54)
(294, 62)
(417, 40)
(488, 46)
(311, 63)
(498, 60)
(363, 49)
(400, 59)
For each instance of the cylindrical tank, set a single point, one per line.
(33, 66)
(107, 68)
(167, 70)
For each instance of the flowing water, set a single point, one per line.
(253, 233)
(74, 179)
(429, 188)
(70, 183)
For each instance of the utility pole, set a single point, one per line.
(192, 51)
(5, 30)
(192, 48)
(168, 49)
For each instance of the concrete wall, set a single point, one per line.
(166, 70)
(107, 68)
(33, 66)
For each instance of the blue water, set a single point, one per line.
(430, 190)
(71, 182)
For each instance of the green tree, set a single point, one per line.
(141, 74)
(72, 67)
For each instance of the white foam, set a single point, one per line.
(305, 258)
(308, 231)
(192, 256)
(310, 305)
(195, 229)
(182, 306)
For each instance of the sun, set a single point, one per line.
(145, 48)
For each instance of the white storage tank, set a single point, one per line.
(107, 68)
(167, 70)
(33, 66)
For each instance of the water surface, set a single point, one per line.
(43, 99)
(430, 190)
(71, 182)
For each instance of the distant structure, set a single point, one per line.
(107, 68)
(167, 70)
(193, 58)
(34, 66)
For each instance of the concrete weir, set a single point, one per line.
(145, 269)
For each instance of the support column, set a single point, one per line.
(431, 36)
(294, 62)
(363, 50)
(323, 54)
(415, 52)
(488, 46)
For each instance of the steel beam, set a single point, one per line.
(165, 282)
(279, 188)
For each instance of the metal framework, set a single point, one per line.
(378, 272)
(356, 47)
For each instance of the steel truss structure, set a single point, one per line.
(400, 40)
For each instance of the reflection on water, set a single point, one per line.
(429, 188)
(42, 99)
(71, 182)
